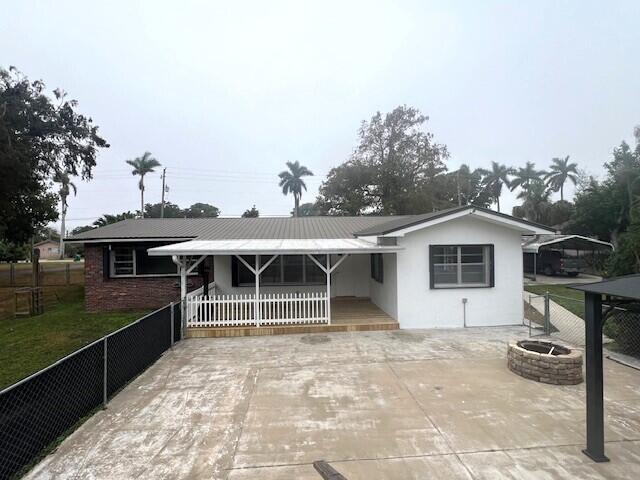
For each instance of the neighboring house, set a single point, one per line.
(456, 267)
(49, 249)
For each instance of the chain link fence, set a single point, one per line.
(42, 408)
(562, 317)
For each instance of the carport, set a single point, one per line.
(612, 293)
(576, 245)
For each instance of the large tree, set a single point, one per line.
(171, 210)
(559, 172)
(495, 179)
(252, 212)
(39, 136)
(624, 172)
(141, 167)
(466, 187)
(201, 210)
(596, 210)
(393, 170)
(292, 183)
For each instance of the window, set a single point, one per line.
(284, 270)
(377, 267)
(455, 266)
(129, 261)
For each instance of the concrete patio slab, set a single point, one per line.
(376, 405)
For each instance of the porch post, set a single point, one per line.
(182, 268)
(328, 288)
(183, 279)
(257, 302)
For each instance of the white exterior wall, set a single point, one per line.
(351, 278)
(384, 295)
(422, 307)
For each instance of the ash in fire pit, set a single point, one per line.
(545, 362)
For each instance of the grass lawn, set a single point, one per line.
(572, 300)
(30, 344)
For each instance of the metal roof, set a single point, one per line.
(401, 223)
(231, 228)
(570, 242)
(272, 246)
(327, 227)
(625, 287)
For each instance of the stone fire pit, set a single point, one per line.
(545, 362)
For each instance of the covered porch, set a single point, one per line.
(247, 297)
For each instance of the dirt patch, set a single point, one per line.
(315, 339)
(532, 314)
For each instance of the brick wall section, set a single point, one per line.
(112, 294)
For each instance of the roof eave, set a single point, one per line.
(523, 226)
(127, 239)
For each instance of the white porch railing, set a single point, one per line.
(273, 309)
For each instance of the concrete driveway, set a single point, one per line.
(380, 405)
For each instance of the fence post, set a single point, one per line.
(172, 322)
(104, 374)
(12, 274)
(547, 314)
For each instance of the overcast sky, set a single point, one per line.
(223, 93)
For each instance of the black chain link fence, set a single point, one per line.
(562, 317)
(40, 409)
(622, 329)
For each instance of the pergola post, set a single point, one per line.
(328, 269)
(257, 271)
(257, 304)
(328, 288)
(594, 378)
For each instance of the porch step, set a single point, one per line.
(218, 332)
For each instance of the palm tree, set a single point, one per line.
(536, 201)
(108, 219)
(291, 182)
(495, 179)
(141, 166)
(559, 172)
(65, 182)
(524, 177)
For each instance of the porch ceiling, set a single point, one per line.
(273, 247)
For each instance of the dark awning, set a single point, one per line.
(624, 287)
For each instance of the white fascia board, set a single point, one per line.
(427, 223)
(271, 247)
(514, 224)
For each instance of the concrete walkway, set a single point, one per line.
(566, 325)
(380, 405)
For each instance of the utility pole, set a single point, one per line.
(164, 175)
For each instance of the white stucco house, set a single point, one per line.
(452, 268)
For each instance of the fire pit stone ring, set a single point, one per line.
(545, 362)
